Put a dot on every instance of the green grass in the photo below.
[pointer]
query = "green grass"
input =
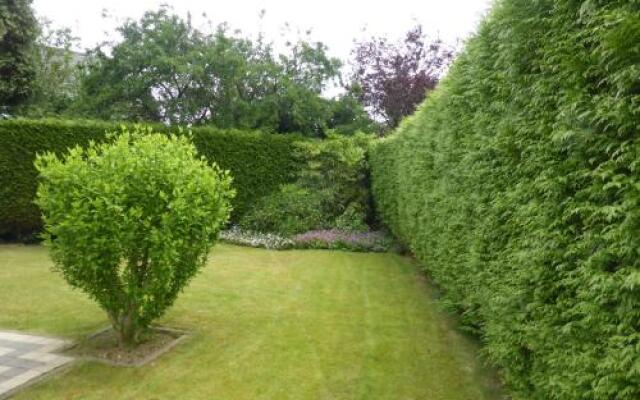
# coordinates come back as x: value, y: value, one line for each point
x: 266, y: 325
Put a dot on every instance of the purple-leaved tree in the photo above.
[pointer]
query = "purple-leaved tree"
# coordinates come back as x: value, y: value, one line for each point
x: 391, y: 79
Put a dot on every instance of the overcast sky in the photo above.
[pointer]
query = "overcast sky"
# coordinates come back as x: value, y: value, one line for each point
x: 334, y: 22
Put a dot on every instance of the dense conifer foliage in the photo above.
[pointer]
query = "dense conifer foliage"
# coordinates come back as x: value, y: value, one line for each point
x: 516, y: 184
x: 258, y: 162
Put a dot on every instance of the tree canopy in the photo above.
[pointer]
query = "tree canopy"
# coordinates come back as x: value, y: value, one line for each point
x: 168, y: 71
x: 393, y: 78
x: 164, y: 69
x: 18, y: 32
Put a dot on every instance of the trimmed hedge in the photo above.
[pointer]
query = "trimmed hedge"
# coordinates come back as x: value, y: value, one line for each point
x: 516, y: 184
x: 259, y: 163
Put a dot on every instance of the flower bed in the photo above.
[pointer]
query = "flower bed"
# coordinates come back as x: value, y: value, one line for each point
x: 270, y: 241
x: 376, y: 241
x: 335, y: 239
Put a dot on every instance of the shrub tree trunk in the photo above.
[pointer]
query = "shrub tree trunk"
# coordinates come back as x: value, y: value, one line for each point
x: 126, y: 328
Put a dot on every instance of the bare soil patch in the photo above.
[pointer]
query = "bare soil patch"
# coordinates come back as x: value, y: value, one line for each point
x: 103, y: 347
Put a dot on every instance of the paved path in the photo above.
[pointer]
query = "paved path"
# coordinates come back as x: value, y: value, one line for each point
x: 24, y: 358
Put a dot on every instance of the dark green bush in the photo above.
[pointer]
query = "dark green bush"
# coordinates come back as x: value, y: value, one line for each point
x: 288, y: 211
x: 259, y: 163
x: 517, y: 185
x: 337, y: 167
x: 352, y: 219
x: 329, y: 191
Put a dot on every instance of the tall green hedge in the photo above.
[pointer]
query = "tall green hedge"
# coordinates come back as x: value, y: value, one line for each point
x: 517, y: 184
x: 258, y: 162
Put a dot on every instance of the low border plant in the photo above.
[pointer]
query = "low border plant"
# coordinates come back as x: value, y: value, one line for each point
x: 334, y: 239
x: 270, y: 241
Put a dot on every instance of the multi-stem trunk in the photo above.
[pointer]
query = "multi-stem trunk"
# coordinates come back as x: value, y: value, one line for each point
x: 126, y: 323
x: 126, y: 328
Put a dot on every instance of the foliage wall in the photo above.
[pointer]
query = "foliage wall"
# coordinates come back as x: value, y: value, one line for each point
x: 516, y: 184
x: 259, y: 163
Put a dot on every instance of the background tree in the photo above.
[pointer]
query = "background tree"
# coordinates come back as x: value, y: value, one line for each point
x: 393, y: 78
x: 18, y: 32
x: 166, y: 70
x: 57, y: 75
x: 347, y: 116
x: 157, y: 73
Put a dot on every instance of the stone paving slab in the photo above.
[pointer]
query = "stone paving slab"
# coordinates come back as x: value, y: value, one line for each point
x: 24, y: 358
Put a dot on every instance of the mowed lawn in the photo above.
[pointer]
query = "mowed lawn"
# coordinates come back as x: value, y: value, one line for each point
x: 265, y: 325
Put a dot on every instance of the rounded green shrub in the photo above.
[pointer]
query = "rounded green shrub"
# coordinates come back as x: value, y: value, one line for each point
x: 131, y: 221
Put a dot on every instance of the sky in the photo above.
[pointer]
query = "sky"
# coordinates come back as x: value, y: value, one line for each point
x: 335, y: 22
